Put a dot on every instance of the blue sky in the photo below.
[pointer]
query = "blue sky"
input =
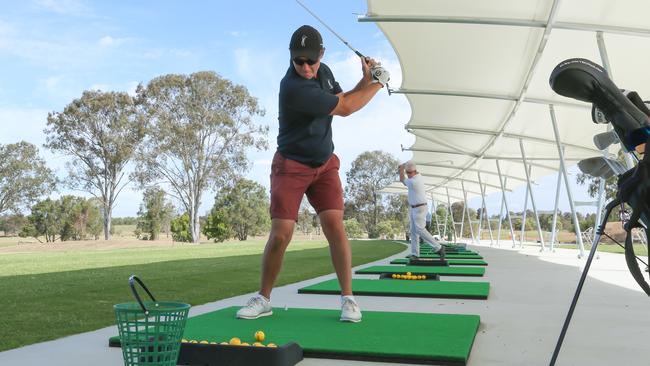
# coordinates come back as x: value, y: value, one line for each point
x: 52, y: 50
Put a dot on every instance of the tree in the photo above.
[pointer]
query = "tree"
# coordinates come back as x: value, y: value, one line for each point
x: 353, y: 228
x: 24, y: 177
x: 216, y: 225
x: 305, y: 223
x: 44, y: 220
x: 11, y: 225
x: 397, y: 212
x: 69, y: 217
x: 371, y: 171
x: 154, y: 212
x: 101, y: 131
x: 200, y: 126
x: 246, y: 208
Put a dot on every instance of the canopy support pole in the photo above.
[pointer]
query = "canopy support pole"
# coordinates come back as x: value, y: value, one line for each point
x: 469, y: 220
x: 557, y: 201
x: 560, y: 151
x: 505, y: 202
x: 532, y: 197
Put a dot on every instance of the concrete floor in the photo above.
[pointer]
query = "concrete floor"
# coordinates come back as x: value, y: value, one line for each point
x: 520, y: 322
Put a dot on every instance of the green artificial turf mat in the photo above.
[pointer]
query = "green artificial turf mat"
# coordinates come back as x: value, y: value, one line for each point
x: 409, y: 288
x: 381, y: 336
x: 453, y: 256
x: 452, y: 262
x: 440, y: 270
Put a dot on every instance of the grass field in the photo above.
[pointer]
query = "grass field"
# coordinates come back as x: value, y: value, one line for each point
x: 48, y: 295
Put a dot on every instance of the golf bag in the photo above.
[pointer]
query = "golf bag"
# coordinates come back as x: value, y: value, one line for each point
x: 584, y: 80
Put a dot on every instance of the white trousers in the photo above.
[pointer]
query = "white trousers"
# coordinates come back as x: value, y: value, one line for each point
x: 418, y: 218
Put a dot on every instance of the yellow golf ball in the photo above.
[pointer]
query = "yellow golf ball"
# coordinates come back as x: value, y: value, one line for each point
x: 408, y: 273
x: 235, y: 341
x: 204, y: 342
x: 259, y: 336
x: 258, y: 344
x: 245, y: 344
x: 272, y: 345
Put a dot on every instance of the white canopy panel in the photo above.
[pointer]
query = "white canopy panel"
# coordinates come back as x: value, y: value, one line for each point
x: 476, y: 76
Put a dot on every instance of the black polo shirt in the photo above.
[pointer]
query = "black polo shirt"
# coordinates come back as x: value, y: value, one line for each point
x: 305, y: 133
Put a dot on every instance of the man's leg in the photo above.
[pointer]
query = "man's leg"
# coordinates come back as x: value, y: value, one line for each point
x: 279, y: 238
x: 418, y: 217
x: 415, y: 238
x: 332, y: 224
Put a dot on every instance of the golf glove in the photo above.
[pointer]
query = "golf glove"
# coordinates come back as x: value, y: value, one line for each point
x: 380, y: 75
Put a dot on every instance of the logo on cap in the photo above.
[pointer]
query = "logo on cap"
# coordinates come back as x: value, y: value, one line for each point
x: 302, y: 41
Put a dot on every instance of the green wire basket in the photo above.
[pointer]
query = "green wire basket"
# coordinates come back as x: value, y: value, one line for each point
x: 150, y: 331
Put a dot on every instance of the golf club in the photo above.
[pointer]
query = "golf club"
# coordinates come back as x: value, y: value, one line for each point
x: 330, y: 29
x: 601, y: 167
x: 604, y: 139
x: 337, y: 36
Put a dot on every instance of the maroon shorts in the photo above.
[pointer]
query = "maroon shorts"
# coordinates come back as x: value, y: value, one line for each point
x: 291, y: 179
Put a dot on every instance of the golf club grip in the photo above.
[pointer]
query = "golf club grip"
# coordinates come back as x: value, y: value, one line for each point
x: 132, y: 281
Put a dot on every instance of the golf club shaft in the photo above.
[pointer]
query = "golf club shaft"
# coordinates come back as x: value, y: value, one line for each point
x: 330, y: 29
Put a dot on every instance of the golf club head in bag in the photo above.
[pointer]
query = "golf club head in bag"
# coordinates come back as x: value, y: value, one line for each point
x: 601, y: 167
x: 604, y: 139
x: 587, y: 81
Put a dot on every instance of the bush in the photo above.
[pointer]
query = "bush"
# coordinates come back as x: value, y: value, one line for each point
x: 180, y: 227
x: 216, y: 226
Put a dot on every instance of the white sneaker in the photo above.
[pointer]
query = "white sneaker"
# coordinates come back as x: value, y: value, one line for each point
x: 350, y: 311
x: 256, y: 307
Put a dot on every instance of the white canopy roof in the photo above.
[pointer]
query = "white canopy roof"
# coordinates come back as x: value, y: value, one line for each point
x: 476, y: 76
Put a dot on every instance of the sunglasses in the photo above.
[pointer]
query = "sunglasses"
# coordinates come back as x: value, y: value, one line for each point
x: 301, y: 61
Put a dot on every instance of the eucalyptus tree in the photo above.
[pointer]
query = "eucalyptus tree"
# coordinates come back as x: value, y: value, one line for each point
x: 200, y: 127
x: 370, y: 172
x: 24, y: 176
x: 100, y: 132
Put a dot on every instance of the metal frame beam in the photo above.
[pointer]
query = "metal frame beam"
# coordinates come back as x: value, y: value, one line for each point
x: 469, y: 170
x: 467, y: 94
x: 492, y: 133
x: 489, y: 157
x: 643, y: 32
x: 458, y: 179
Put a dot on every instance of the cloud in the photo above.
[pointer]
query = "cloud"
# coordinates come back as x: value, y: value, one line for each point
x: 237, y: 33
x: 108, y: 41
x: 64, y: 7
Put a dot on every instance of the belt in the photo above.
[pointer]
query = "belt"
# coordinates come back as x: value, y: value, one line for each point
x: 418, y: 205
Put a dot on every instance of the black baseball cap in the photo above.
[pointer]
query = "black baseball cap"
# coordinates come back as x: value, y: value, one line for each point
x: 306, y: 42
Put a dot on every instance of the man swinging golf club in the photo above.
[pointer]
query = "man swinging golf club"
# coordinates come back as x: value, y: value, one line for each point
x: 305, y: 163
x: 409, y: 176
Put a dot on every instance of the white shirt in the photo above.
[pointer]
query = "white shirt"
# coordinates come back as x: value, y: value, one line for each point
x: 415, y: 185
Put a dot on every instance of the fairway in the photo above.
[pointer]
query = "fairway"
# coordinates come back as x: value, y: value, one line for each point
x: 51, y: 295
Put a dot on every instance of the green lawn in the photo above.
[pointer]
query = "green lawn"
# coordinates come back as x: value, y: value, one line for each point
x: 50, y: 295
